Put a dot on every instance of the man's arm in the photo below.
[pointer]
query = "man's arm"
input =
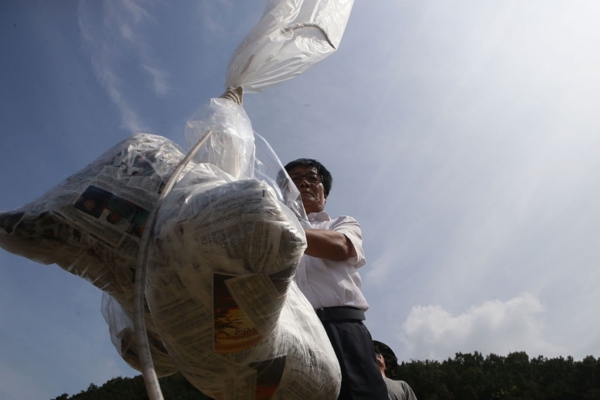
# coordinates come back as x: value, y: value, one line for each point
x: 330, y: 245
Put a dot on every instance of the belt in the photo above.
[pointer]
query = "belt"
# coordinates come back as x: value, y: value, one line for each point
x: 339, y: 313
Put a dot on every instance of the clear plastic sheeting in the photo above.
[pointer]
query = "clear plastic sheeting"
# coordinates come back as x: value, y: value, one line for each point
x: 268, y: 168
x: 122, y: 336
x: 291, y: 36
x: 91, y: 225
x: 238, y: 151
x: 230, y: 146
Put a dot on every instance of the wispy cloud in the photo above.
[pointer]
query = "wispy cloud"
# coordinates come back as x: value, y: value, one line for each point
x: 136, y: 10
x: 211, y: 18
x: 112, y: 84
x: 121, y: 20
x: 388, y: 265
x: 136, y: 14
x: 159, y: 79
x: 493, y: 327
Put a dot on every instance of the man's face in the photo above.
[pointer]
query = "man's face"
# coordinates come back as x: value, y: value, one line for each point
x: 308, y: 182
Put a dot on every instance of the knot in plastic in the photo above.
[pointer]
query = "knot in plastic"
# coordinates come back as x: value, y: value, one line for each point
x: 234, y: 94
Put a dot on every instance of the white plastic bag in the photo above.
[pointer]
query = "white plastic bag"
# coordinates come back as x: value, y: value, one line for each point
x: 291, y: 36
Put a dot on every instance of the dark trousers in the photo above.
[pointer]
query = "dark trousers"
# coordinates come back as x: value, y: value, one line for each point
x: 353, y: 345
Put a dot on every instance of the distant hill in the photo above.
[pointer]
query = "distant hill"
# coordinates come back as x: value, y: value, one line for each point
x: 465, y: 377
x: 174, y: 387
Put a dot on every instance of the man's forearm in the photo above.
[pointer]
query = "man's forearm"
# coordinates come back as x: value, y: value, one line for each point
x: 330, y: 245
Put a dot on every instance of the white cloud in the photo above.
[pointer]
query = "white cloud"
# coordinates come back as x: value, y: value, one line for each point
x: 136, y: 15
x: 211, y: 18
x: 136, y: 10
x: 159, y: 79
x: 127, y: 33
x: 383, y: 269
x: 430, y: 332
x: 124, y: 20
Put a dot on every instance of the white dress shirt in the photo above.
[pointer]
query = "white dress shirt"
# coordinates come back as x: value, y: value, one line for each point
x: 328, y: 283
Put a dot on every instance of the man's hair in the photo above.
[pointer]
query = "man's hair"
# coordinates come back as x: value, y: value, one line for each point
x: 390, y: 359
x: 321, y: 170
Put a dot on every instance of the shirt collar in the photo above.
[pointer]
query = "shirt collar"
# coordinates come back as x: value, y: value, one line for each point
x: 318, y: 216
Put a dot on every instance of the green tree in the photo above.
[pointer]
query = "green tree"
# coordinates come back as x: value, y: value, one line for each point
x: 174, y: 387
x: 464, y: 377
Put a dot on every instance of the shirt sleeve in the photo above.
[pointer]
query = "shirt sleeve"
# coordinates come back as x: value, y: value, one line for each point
x: 351, y: 229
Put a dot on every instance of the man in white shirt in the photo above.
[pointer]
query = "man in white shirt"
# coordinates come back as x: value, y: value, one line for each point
x: 328, y: 277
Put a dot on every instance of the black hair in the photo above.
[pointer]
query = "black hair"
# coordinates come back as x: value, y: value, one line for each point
x: 321, y: 170
x: 390, y: 359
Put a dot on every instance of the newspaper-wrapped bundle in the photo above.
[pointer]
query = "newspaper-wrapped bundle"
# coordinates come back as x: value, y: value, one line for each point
x: 91, y: 224
x: 225, y: 251
x: 227, y: 239
x: 220, y: 286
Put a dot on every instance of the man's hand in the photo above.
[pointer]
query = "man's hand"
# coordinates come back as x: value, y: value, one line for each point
x: 330, y: 245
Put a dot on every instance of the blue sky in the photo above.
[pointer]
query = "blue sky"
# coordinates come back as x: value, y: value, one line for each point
x: 463, y: 136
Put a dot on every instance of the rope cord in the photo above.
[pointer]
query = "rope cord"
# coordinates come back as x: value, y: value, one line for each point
x: 148, y: 371
x: 234, y: 94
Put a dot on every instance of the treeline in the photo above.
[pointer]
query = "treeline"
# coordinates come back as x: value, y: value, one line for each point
x: 174, y: 387
x: 473, y: 377
x: 465, y: 377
